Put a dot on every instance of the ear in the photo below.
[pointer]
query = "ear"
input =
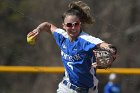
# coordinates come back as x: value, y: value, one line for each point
x: 63, y: 26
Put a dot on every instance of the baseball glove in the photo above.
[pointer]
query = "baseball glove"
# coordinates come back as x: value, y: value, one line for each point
x: 104, y: 58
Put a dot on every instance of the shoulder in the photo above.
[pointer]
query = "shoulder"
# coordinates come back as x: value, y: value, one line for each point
x: 89, y: 38
x: 60, y: 32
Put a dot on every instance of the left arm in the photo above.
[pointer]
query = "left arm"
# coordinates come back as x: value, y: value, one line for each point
x: 108, y: 47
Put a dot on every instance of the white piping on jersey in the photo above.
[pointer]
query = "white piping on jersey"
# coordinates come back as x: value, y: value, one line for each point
x: 66, y: 77
x: 90, y: 38
x: 83, y: 35
x: 62, y: 32
x: 95, y: 80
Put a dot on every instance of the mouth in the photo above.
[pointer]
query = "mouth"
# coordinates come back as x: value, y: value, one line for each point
x: 73, y: 31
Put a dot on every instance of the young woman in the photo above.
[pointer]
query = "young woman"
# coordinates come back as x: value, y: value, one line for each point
x: 76, y: 49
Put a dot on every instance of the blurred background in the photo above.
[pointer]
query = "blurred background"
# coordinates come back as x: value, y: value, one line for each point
x: 117, y: 22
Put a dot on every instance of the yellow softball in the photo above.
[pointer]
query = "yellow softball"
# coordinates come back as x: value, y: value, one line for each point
x: 31, y: 40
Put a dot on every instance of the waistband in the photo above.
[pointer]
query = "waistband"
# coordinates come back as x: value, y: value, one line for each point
x: 74, y: 87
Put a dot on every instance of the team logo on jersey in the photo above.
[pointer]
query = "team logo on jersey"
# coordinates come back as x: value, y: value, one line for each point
x: 64, y: 46
x: 75, y: 49
x: 70, y: 58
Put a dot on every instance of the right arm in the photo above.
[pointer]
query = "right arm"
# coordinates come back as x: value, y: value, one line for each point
x: 45, y: 26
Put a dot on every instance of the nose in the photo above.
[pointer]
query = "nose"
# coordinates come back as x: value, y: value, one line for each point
x: 73, y: 27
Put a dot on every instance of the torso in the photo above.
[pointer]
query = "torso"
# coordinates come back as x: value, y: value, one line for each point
x: 77, y: 57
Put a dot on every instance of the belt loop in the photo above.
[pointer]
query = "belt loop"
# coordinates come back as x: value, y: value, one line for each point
x: 68, y: 84
x: 94, y: 88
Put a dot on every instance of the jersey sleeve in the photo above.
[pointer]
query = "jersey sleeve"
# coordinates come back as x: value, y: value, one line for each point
x: 59, y: 36
x: 89, y: 42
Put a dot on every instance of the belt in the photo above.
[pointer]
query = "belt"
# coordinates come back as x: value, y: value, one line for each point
x: 74, y: 87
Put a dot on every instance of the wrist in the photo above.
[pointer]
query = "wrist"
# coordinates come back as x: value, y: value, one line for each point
x: 113, y: 48
x: 38, y: 29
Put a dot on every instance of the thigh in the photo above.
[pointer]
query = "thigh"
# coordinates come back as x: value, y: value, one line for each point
x: 93, y: 90
x: 64, y: 89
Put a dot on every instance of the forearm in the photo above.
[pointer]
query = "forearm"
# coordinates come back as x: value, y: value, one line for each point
x: 107, y: 46
x: 45, y: 26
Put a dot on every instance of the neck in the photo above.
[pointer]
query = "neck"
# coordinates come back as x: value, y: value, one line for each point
x: 72, y: 39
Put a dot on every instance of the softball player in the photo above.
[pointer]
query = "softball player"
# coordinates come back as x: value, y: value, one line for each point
x: 112, y: 86
x: 76, y: 49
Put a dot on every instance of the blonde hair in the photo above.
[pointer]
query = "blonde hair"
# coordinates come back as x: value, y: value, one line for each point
x: 81, y: 10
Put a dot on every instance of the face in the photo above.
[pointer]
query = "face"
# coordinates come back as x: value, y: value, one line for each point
x: 72, y: 26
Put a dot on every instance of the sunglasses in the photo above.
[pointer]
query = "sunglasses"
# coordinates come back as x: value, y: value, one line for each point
x: 74, y: 24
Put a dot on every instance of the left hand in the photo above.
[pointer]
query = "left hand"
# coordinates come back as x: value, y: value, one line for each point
x: 94, y: 65
x: 31, y: 36
x: 105, y: 55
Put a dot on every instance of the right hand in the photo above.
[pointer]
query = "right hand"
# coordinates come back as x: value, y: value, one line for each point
x: 33, y: 33
x: 31, y: 36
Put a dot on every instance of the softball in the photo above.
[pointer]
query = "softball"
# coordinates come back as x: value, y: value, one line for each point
x: 31, y: 40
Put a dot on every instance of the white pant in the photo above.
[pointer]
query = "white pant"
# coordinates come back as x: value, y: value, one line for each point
x: 64, y: 89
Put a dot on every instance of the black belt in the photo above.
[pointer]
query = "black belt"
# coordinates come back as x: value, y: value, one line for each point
x: 74, y: 87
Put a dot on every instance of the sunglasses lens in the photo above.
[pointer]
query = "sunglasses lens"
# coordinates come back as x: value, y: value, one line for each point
x: 76, y: 24
x: 69, y: 24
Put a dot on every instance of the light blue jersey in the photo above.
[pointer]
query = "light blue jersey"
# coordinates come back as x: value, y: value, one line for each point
x: 77, y: 56
x: 112, y: 88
